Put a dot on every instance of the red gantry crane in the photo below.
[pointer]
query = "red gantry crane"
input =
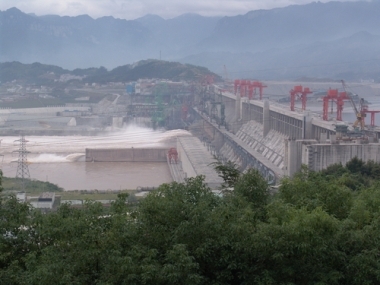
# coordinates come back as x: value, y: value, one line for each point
x: 372, y: 112
x: 361, y: 111
x: 338, y: 98
x: 248, y: 88
x: 301, y: 93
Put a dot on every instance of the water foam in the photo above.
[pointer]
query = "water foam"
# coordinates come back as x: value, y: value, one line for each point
x: 131, y: 136
x: 55, y: 158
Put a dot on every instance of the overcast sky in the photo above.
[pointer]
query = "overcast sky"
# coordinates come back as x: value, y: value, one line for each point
x: 132, y: 9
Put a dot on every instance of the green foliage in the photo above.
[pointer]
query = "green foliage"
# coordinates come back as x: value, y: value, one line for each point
x: 1, y: 181
x: 315, y: 192
x: 151, y: 69
x: 315, y: 230
x: 355, y: 175
x: 43, y: 74
x: 33, y: 186
x: 253, y: 188
x: 32, y: 73
x: 228, y: 171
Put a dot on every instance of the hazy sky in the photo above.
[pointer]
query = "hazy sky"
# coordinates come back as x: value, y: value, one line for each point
x: 132, y: 9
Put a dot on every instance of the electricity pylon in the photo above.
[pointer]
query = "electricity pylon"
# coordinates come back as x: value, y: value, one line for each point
x: 22, y: 166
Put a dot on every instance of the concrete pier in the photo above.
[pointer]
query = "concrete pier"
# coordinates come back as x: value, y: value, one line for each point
x: 126, y: 155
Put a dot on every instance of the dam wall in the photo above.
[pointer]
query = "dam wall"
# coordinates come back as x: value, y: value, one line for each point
x: 225, y: 145
x: 320, y: 156
x: 271, y: 146
x: 268, y: 136
x: 126, y: 155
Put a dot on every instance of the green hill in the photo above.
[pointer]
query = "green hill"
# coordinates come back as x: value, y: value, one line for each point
x: 152, y: 69
x: 37, y: 73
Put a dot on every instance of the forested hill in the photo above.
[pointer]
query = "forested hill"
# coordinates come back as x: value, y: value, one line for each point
x: 151, y: 69
x: 38, y: 73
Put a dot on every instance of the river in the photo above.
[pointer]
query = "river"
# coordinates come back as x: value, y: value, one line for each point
x: 60, y: 159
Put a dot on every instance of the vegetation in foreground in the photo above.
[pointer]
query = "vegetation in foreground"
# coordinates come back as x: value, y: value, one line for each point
x: 320, y: 228
x: 33, y: 186
x: 37, y: 187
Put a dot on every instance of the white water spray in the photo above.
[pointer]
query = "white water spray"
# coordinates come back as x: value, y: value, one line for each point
x: 45, y: 149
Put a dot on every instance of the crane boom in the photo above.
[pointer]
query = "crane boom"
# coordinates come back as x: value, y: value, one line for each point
x: 360, y: 115
x: 349, y: 96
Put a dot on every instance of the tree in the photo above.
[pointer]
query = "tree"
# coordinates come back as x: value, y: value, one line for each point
x: 314, y: 231
x: 315, y: 190
x: 253, y: 188
x: 228, y: 171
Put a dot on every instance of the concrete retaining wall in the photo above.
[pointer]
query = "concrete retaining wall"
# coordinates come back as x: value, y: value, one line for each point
x: 196, y: 160
x: 320, y: 156
x: 187, y: 166
x: 127, y: 155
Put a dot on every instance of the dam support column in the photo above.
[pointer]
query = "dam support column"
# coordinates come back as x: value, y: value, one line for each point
x: 238, y: 122
x: 266, y: 118
x: 238, y: 107
x: 307, y: 132
x: 291, y: 157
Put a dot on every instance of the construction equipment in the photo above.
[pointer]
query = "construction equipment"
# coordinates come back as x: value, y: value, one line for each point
x: 359, y: 112
x: 248, y: 88
x: 336, y: 97
x: 372, y: 112
x: 301, y: 93
x: 173, y: 155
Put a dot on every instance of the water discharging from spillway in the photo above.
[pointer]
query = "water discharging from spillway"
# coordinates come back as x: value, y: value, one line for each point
x: 60, y: 159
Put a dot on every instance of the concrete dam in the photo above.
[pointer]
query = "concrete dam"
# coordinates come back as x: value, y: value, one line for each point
x: 258, y: 134
x: 276, y: 141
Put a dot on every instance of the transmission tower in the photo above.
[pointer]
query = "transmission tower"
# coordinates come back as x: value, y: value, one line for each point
x: 22, y: 167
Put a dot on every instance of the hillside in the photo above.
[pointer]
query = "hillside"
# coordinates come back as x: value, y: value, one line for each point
x: 38, y: 73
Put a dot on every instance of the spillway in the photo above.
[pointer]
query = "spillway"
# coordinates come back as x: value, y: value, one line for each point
x: 61, y: 159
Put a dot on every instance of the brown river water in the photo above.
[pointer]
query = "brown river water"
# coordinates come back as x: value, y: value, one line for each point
x: 60, y: 159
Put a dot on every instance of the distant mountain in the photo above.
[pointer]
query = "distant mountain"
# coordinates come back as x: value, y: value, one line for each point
x: 314, y: 40
x: 352, y: 58
x: 181, y: 34
x: 293, y: 25
x: 83, y: 42
x: 71, y: 41
x: 38, y: 73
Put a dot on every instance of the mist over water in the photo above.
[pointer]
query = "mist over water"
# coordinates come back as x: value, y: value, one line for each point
x: 70, y: 148
x: 55, y: 158
x: 61, y: 159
